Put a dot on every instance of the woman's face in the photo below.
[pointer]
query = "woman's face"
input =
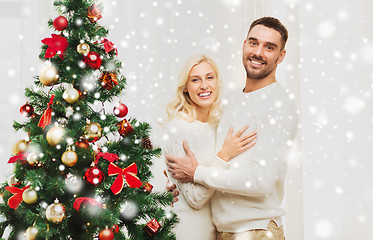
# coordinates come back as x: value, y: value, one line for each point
x: 202, y: 86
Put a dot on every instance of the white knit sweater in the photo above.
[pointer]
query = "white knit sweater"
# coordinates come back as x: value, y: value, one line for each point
x: 251, y: 187
x: 193, y: 207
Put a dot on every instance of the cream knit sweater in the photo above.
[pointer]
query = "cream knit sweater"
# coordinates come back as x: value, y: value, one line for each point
x: 251, y: 187
x: 193, y: 207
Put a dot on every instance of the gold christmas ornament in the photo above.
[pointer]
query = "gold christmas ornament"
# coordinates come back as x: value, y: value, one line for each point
x: 19, y: 147
x: 71, y: 95
x: 55, y: 212
x: 31, y: 233
x: 55, y: 135
x: 49, y: 76
x: 12, y: 180
x: 29, y: 196
x: 93, y: 132
x: 83, y: 48
x: 32, y: 159
x: 69, y: 158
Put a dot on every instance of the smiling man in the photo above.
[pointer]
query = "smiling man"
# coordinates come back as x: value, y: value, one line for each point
x: 250, y: 188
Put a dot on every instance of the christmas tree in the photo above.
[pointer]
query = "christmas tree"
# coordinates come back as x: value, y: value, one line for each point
x: 81, y: 173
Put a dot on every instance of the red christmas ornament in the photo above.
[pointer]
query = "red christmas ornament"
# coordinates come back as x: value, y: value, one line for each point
x: 93, y: 60
x: 60, y: 23
x: 120, y: 110
x: 82, y: 143
x: 106, y: 234
x: 27, y: 110
x: 125, y: 127
x: 56, y: 45
x: 94, y: 176
x: 152, y: 227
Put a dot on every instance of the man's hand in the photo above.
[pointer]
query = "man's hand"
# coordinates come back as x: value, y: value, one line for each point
x: 182, y: 168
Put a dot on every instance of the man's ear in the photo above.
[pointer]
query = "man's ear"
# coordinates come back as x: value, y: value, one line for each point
x: 282, y: 56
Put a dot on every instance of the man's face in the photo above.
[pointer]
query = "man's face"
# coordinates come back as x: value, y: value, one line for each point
x: 262, y: 52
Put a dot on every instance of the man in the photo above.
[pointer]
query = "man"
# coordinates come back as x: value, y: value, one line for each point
x: 250, y: 188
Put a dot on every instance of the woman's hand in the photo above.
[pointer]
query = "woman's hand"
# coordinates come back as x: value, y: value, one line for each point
x: 235, y: 144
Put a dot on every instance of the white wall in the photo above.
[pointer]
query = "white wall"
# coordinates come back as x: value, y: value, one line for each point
x: 328, y: 67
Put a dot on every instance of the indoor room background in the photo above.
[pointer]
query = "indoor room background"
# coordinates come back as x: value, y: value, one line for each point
x: 328, y: 67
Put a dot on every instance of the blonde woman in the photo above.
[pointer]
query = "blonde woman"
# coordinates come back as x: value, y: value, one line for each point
x: 192, y: 119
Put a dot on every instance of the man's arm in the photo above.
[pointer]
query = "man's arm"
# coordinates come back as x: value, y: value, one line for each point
x: 195, y: 194
x: 182, y: 168
x: 254, y: 172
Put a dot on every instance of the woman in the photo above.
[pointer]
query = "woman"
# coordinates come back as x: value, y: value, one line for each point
x: 193, y: 116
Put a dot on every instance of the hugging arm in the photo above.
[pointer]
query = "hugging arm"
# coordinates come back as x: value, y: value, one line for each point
x: 195, y: 194
x: 255, y: 173
x: 183, y: 168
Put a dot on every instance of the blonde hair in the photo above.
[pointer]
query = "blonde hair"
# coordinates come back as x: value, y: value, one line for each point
x: 182, y: 105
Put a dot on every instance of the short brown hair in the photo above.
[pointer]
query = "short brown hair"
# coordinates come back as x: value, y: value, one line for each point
x: 273, y: 23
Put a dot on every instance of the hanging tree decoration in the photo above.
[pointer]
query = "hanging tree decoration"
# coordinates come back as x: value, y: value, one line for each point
x: 93, y: 60
x: 55, y: 135
x: 71, y: 95
x: 106, y: 234
x: 55, y: 212
x: 47, y: 115
x: 49, y: 76
x: 108, y: 80
x: 84, y: 200
x: 60, y: 23
x: 16, y: 199
x: 111, y: 157
x: 120, y: 110
x: 56, y: 45
x: 125, y: 127
x: 83, y: 48
x: 94, y: 13
x: 94, y: 175
x: 126, y: 175
x: 108, y: 45
x: 27, y: 110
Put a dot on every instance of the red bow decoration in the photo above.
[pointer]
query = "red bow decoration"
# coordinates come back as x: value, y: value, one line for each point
x: 127, y: 175
x: 111, y: 157
x: 16, y: 199
x: 19, y: 156
x: 47, y: 115
x: 56, y: 44
x: 79, y: 201
x: 108, y: 45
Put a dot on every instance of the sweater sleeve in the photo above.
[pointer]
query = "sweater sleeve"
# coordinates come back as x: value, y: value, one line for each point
x: 256, y: 171
x: 195, y: 194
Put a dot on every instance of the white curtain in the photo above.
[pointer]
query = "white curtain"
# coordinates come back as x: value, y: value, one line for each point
x: 328, y: 67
